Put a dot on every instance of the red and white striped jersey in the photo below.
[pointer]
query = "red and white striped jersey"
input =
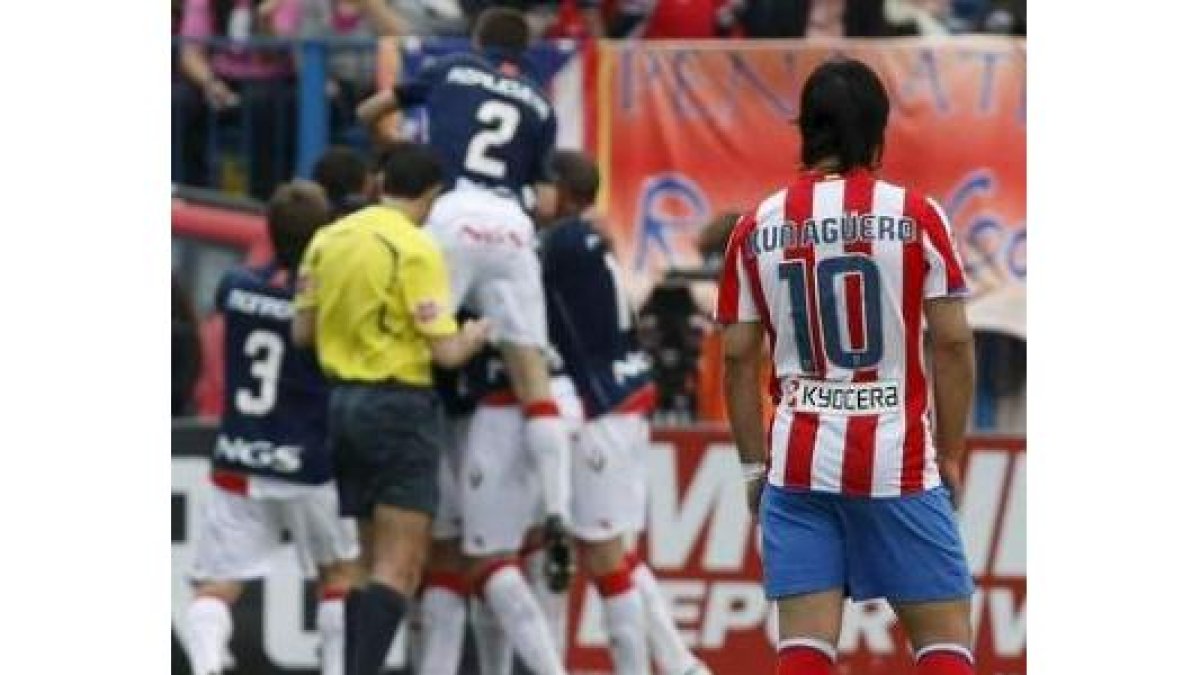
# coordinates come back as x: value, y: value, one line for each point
x: 836, y: 269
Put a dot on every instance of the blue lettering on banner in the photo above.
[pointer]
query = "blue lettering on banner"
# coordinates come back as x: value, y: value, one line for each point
x: 995, y: 245
x: 925, y: 75
x: 988, y: 60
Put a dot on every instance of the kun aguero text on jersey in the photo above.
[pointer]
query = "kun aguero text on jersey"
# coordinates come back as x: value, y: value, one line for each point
x: 846, y: 229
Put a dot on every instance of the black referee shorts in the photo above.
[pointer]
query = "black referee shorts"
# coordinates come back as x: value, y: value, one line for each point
x: 387, y: 439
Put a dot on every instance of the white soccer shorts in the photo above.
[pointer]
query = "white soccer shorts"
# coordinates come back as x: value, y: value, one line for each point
x: 498, y: 483
x: 608, y: 468
x: 447, y: 521
x: 238, y: 534
x: 491, y: 251
x: 608, y: 477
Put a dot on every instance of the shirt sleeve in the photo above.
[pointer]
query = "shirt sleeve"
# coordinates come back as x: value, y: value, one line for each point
x: 426, y: 285
x: 197, y: 20
x: 306, y: 278
x: 944, y: 275
x: 735, y: 297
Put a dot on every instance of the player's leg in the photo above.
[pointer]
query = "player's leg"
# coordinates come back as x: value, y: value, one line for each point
x: 624, y: 616
x: 499, y: 500
x: 237, y: 535
x: 909, y: 550
x: 667, y: 648
x: 327, y: 543
x: 492, y: 646
x: 442, y: 615
x: 548, y: 442
x: 607, y: 503
x: 443, y: 610
x: 805, y: 572
x: 209, y: 626
x: 390, y: 439
x: 552, y: 602
x: 940, y: 633
x: 809, y: 626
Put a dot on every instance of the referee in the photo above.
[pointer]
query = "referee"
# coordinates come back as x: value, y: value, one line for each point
x: 374, y: 298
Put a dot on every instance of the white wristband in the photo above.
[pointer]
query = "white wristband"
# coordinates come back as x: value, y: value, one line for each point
x: 752, y: 471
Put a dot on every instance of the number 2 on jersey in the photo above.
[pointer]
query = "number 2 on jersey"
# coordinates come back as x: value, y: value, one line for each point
x: 831, y: 316
x: 266, y: 351
x: 502, y: 120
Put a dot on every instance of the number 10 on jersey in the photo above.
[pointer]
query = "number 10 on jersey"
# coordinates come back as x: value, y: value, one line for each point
x: 830, y: 315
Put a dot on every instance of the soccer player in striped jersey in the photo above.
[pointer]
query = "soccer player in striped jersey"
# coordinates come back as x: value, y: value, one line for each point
x: 840, y: 271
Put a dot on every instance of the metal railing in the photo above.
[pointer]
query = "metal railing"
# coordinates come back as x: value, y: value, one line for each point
x: 283, y: 123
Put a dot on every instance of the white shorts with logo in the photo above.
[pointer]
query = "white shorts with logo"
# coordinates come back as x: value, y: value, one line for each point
x: 239, y: 533
x: 447, y: 521
x: 608, y: 468
x: 490, y: 249
x: 500, y: 493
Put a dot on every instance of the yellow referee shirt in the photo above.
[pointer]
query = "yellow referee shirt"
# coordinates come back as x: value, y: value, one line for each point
x: 378, y: 287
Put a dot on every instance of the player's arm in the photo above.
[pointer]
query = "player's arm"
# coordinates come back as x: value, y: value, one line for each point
x: 953, y: 357
x: 304, y: 304
x: 545, y: 194
x: 945, y: 290
x: 742, y: 346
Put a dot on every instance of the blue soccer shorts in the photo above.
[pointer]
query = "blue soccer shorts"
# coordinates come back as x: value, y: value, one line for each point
x: 904, y: 549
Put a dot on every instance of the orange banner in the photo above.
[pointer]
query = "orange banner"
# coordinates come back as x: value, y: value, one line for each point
x: 690, y: 130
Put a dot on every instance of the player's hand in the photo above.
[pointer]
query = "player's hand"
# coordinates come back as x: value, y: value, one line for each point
x: 754, y: 490
x: 219, y: 95
x: 951, y: 470
x: 476, y: 333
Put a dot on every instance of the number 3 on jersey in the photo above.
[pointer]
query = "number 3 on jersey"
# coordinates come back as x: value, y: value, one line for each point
x: 266, y: 351
x: 839, y: 348
x: 501, y: 119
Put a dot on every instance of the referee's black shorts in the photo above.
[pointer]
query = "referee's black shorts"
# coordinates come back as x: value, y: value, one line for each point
x: 387, y: 439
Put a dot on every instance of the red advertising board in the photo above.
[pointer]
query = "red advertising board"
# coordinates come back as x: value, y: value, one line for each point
x: 704, y: 549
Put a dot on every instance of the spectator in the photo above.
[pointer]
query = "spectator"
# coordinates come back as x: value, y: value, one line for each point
x: 345, y: 176
x: 256, y: 83
x: 549, y: 18
x: 185, y: 350
x: 672, y: 19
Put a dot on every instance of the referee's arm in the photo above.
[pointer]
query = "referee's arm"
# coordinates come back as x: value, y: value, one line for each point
x: 304, y: 318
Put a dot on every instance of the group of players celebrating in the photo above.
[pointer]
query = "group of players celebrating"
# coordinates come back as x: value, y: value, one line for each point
x: 472, y: 496
x: 330, y: 356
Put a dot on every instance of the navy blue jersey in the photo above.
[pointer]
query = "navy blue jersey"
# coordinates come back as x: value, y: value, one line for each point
x: 461, y: 389
x: 590, y: 318
x: 487, y: 121
x: 273, y: 422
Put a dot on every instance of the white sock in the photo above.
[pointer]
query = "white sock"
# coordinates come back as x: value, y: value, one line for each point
x: 554, y: 605
x: 625, y: 622
x: 546, y: 437
x: 666, y: 644
x: 206, y: 636
x: 509, y: 597
x: 492, y: 646
x: 443, y: 617
x: 331, y: 626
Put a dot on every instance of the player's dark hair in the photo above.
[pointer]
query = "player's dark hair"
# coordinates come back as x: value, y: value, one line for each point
x: 502, y: 28
x: 409, y: 170
x: 343, y: 173
x: 843, y: 114
x: 294, y: 213
x: 576, y: 175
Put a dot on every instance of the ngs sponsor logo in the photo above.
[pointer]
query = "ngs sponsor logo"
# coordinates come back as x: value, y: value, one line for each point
x: 705, y: 549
